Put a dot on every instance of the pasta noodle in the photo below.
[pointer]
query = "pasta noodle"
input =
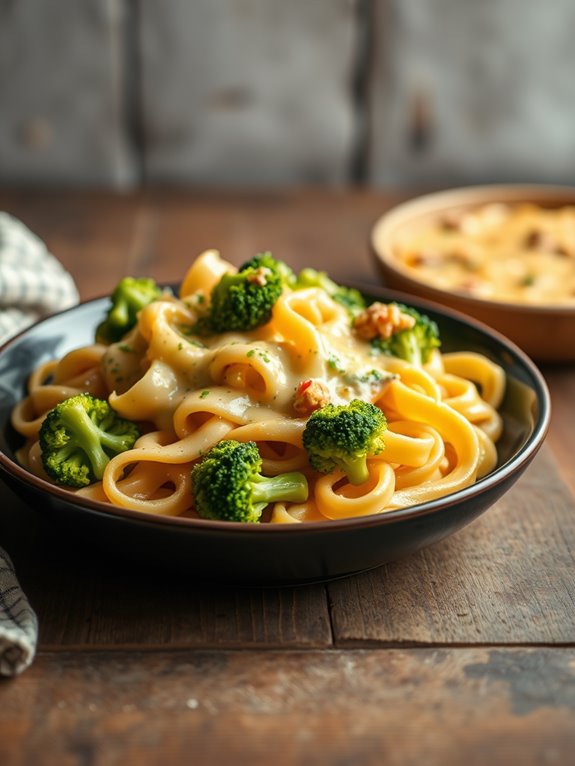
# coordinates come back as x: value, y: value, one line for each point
x: 188, y: 392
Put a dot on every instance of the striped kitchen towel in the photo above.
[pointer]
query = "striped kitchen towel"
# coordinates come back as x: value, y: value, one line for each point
x: 18, y: 623
x: 33, y: 283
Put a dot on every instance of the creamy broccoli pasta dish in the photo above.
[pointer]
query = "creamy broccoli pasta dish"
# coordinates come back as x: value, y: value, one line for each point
x: 521, y: 253
x: 260, y: 395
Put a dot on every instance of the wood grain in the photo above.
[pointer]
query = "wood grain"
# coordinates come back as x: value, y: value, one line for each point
x: 505, y: 579
x: 86, y: 598
x: 257, y: 92
x: 440, y: 707
x: 227, y: 97
x: 100, y: 237
x: 63, y: 96
x: 463, y: 653
x: 327, y: 229
x: 458, y: 97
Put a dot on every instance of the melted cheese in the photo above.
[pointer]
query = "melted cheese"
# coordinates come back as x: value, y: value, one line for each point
x: 521, y: 253
x: 189, y: 392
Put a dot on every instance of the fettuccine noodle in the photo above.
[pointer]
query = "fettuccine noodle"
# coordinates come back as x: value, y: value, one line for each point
x: 189, y: 392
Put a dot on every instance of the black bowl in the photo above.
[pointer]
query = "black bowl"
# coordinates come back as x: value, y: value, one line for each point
x: 270, y: 554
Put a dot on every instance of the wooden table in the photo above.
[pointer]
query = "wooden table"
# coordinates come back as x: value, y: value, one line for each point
x: 461, y: 654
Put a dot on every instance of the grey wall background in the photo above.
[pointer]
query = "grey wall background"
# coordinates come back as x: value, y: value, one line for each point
x: 116, y: 93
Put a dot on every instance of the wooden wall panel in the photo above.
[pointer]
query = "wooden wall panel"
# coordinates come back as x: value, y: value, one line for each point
x: 62, y: 93
x: 472, y: 91
x: 248, y: 91
x: 260, y: 92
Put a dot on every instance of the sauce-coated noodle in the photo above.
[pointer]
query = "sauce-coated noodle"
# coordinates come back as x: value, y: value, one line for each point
x: 188, y: 393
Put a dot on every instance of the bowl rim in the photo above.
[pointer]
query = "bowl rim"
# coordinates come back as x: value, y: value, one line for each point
x: 521, y: 458
x: 463, y: 196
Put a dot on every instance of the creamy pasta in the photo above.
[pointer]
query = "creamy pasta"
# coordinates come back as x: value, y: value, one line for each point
x: 521, y: 253
x: 188, y: 392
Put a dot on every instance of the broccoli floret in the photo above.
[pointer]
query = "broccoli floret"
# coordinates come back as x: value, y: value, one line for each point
x: 288, y: 275
x: 245, y: 300
x: 228, y: 486
x: 129, y: 297
x: 79, y: 436
x: 415, y: 344
x: 349, y: 297
x: 344, y: 436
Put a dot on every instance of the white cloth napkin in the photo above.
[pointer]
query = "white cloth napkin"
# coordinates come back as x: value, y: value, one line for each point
x: 33, y: 284
x: 18, y: 622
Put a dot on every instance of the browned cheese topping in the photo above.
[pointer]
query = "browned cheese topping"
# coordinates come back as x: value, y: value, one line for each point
x: 382, y: 320
x: 311, y: 395
x: 260, y: 276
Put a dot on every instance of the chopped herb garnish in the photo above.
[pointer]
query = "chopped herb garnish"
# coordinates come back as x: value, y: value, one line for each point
x: 334, y: 364
x: 204, y: 394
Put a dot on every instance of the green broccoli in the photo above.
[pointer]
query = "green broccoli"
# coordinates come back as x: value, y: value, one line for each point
x: 414, y: 344
x: 349, y: 297
x: 228, y: 486
x: 129, y: 297
x: 79, y: 436
x: 289, y: 277
x: 344, y: 436
x: 244, y: 301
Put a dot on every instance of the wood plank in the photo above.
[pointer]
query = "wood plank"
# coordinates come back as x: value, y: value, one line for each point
x: 404, y: 708
x: 85, y: 597
x: 508, y: 578
x: 327, y: 229
x: 228, y: 97
x: 97, y: 237
x: 63, y: 94
x: 100, y: 237
x: 458, y: 94
x: 137, y: 668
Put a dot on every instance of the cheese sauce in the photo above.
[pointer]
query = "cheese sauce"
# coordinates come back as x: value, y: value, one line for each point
x: 519, y: 253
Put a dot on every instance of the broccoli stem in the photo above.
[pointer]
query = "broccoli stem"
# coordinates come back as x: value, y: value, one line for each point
x: 355, y: 468
x: 89, y: 438
x: 119, y: 315
x: 291, y: 487
x: 412, y: 351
